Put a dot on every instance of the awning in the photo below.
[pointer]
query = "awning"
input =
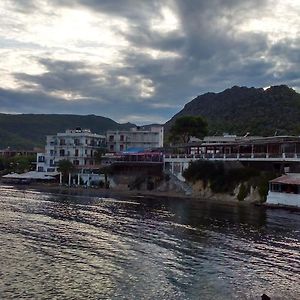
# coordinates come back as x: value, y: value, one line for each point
x: 134, y: 150
x: 32, y: 175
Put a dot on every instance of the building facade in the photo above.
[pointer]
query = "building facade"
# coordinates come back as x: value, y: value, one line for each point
x: 277, y: 153
x: 76, y: 145
x: 137, y: 137
x: 285, y: 190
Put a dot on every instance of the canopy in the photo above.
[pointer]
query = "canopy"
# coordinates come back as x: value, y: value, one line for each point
x: 134, y: 150
x: 32, y: 175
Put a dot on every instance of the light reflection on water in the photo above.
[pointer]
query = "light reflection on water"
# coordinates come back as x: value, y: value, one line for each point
x: 66, y: 247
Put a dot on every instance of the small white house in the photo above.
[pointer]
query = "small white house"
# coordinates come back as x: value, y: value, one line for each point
x: 285, y: 190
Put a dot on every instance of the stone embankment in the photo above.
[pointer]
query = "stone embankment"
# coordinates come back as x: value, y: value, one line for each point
x: 201, y: 191
x: 171, y: 185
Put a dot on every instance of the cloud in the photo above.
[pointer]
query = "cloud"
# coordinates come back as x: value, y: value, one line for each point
x: 129, y: 59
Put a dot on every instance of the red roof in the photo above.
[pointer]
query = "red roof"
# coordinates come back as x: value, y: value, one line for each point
x: 287, y: 179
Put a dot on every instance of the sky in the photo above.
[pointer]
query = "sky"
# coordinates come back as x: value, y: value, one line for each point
x: 141, y: 61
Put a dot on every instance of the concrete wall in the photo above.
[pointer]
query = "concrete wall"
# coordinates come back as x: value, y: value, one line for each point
x: 283, y: 199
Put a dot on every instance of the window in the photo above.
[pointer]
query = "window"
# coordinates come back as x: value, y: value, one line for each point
x: 122, y: 138
x: 41, y: 159
x: 62, y: 152
x: 111, y: 138
x: 275, y: 187
x: 121, y: 147
x: 40, y: 169
x: 76, y: 152
x: 62, y: 142
x: 111, y: 147
x: 76, y: 162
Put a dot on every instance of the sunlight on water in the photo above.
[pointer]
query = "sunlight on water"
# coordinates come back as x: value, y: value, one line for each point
x: 67, y: 247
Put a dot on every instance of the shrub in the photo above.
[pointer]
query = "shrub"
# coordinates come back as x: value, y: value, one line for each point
x: 243, y: 192
x: 101, y: 184
x: 263, y: 185
x: 203, y: 170
x: 221, y: 180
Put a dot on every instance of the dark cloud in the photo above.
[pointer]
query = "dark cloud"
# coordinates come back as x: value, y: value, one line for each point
x: 129, y: 8
x: 12, y: 101
x: 25, y: 6
x: 60, y: 76
x: 207, y: 52
x: 103, y: 94
x: 287, y: 49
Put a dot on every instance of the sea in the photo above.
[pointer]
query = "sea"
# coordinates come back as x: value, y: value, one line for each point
x: 79, y: 247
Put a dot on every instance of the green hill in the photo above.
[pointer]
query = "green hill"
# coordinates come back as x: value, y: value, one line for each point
x: 26, y: 131
x: 239, y: 110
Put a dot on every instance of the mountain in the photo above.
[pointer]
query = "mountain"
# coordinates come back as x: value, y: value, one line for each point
x: 26, y: 131
x: 239, y: 110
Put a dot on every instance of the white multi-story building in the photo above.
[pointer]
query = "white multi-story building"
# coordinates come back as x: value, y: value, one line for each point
x: 137, y: 137
x: 76, y: 145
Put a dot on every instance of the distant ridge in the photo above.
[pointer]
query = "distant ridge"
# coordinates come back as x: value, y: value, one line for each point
x: 26, y: 131
x: 239, y: 110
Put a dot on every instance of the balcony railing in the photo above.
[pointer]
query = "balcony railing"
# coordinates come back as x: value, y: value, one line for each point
x: 235, y: 156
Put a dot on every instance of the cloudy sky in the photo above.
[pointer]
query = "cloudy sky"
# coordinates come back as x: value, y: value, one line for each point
x: 141, y: 60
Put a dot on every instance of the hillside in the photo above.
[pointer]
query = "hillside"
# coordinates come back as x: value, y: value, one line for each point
x: 26, y: 131
x: 239, y: 110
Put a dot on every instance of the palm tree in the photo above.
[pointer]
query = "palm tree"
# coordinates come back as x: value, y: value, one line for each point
x: 98, y: 155
x: 66, y: 167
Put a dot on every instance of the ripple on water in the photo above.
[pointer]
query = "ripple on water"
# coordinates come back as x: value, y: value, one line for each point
x: 78, y: 247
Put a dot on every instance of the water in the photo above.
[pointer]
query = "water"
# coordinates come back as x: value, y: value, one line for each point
x: 62, y: 247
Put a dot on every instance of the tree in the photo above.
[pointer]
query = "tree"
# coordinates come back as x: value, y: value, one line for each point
x: 106, y: 171
x: 19, y: 164
x: 65, y: 167
x: 98, y: 155
x: 187, y: 126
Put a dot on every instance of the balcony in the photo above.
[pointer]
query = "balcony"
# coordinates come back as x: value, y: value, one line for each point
x: 234, y: 157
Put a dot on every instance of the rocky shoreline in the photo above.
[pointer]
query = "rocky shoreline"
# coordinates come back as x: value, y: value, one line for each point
x: 122, y: 193
x: 135, y: 194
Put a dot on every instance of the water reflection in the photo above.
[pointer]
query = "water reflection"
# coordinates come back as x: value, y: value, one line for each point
x: 80, y: 247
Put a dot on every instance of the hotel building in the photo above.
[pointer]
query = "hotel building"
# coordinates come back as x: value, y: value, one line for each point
x: 76, y: 145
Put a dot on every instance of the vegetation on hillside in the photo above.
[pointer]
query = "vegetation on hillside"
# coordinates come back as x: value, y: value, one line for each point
x: 187, y: 126
x: 239, y: 110
x: 26, y: 131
